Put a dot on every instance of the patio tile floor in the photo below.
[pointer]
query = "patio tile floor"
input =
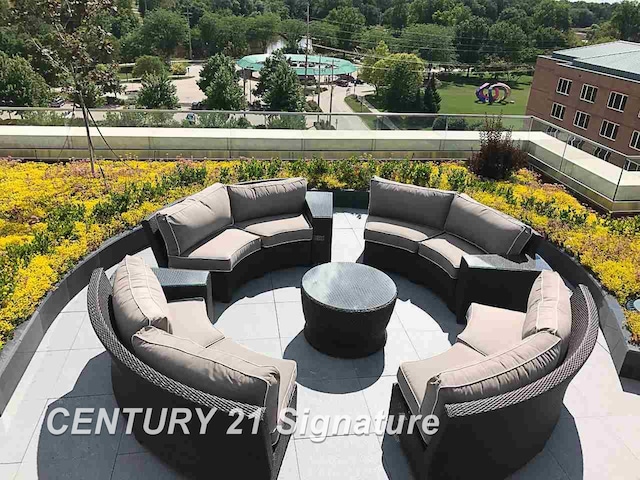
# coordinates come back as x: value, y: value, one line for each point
x: 597, y: 437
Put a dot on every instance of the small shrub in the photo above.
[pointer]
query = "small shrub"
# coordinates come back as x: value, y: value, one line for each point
x: 149, y: 65
x: 179, y: 68
x: 450, y: 123
x: 498, y: 157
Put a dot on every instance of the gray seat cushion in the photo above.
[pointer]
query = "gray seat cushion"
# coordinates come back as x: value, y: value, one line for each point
x: 267, y: 198
x: 410, y: 203
x: 491, y: 330
x: 287, y: 369
x: 549, y: 308
x: 279, y: 229
x: 196, y: 218
x: 485, y: 227
x: 397, y: 233
x: 413, y: 376
x: 524, y: 363
x: 189, y: 319
x: 446, y: 252
x: 219, y: 254
x: 252, y: 379
x: 138, y: 299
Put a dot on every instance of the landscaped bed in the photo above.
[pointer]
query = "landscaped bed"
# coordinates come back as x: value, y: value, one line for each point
x: 53, y: 215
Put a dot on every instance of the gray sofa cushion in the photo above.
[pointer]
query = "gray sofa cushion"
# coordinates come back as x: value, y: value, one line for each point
x: 212, y: 370
x: 267, y: 198
x: 524, y: 363
x: 219, y: 254
x: 485, y: 227
x: 549, y: 308
x: 279, y: 229
x: 138, y: 299
x: 421, y: 205
x: 446, y: 252
x: 286, y: 368
x: 189, y: 319
x: 414, y: 376
x: 397, y: 233
x: 193, y: 220
x: 491, y: 330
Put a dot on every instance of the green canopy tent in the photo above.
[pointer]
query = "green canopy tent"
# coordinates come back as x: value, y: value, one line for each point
x: 318, y: 65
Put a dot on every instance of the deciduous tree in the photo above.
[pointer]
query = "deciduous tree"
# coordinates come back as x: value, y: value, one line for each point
x: 157, y: 92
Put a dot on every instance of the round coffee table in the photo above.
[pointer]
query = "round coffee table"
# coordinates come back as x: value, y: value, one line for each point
x: 347, y: 307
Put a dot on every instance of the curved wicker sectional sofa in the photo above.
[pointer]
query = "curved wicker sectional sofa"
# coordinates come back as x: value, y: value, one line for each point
x: 241, y: 231
x: 423, y: 233
x: 498, y: 391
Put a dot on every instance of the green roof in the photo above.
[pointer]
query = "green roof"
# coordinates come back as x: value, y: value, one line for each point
x: 328, y: 65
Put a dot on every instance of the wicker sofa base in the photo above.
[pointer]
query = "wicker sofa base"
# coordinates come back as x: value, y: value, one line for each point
x: 257, y: 264
x: 413, y: 266
x: 215, y: 454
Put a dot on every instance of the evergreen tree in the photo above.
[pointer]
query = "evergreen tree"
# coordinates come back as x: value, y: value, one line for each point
x: 431, y: 102
x: 279, y: 85
x: 158, y: 91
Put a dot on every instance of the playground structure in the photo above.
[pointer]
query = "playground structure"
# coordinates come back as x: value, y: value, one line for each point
x: 498, y: 92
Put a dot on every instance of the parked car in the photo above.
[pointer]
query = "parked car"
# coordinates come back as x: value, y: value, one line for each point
x: 57, y: 102
x: 197, y: 106
x: 342, y: 83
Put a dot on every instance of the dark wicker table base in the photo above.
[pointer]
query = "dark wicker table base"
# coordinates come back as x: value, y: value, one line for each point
x: 345, y: 334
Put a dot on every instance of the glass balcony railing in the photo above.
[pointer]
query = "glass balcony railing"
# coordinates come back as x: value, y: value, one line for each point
x: 604, y: 176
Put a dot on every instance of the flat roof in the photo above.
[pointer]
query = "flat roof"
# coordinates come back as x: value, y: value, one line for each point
x: 618, y: 58
x: 318, y: 64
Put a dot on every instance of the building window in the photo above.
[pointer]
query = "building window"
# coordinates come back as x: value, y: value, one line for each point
x: 552, y: 131
x: 575, y: 142
x: 631, y: 166
x: 609, y: 130
x: 588, y: 93
x: 635, y: 140
x: 581, y: 120
x: 564, y: 86
x: 617, y: 101
x: 557, y: 111
x: 602, y: 153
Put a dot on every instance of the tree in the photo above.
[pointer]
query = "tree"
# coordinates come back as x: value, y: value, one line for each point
x: 517, y: 16
x: 20, y: 85
x: 77, y: 46
x: 471, y: 35
x: 372, y: 36
x: 163, y: 31
x: 326, y: 33
x: 581, y: 17
x: 431, y: 101
x: 124, y: 22
x: 369, y: 72
x: 294, y: 30
x: 626, y: 19
x: 279, y: 85
x: 453, y: 15
x: 433, y: 43
x: 402, y: 80
x: 219, y: 82
x: 506, y: 40
x: 149, y: 64
x: 263, y: 28
x: 223, y: 34
x: 552, y: 13
x: 157, y: 92
x: 397, y: 16
x: 350, y: 22
x: 213, y: 64
x: 548, y: 38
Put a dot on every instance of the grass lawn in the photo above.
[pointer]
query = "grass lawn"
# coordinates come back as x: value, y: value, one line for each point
x: 459, y: 96
x: 358, y: 107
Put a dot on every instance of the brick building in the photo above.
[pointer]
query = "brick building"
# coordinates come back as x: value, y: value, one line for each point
x: 593, y: 91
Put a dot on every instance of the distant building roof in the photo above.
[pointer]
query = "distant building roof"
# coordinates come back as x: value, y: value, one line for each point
x: 619, y: 58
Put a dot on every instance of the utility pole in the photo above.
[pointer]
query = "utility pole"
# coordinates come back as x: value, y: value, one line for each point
x: 306, y: 49
x: 319, y: 76
x: 187, y: 14
x: 331, y: 94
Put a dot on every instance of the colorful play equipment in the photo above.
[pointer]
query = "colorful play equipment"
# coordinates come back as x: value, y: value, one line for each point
x: 492, y: 93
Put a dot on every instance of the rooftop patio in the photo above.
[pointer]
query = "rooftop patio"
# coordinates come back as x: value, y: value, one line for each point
x: 598, y: 435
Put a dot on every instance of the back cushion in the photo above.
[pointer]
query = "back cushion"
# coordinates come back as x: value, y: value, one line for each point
x: 485, y: 227
x: 421, y: 205
x: 524, y: 363
x: 549, y: 308
x: 210, y: 370
x: 195, y: 219
x: 267, y: 198
x: 138, y: 299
